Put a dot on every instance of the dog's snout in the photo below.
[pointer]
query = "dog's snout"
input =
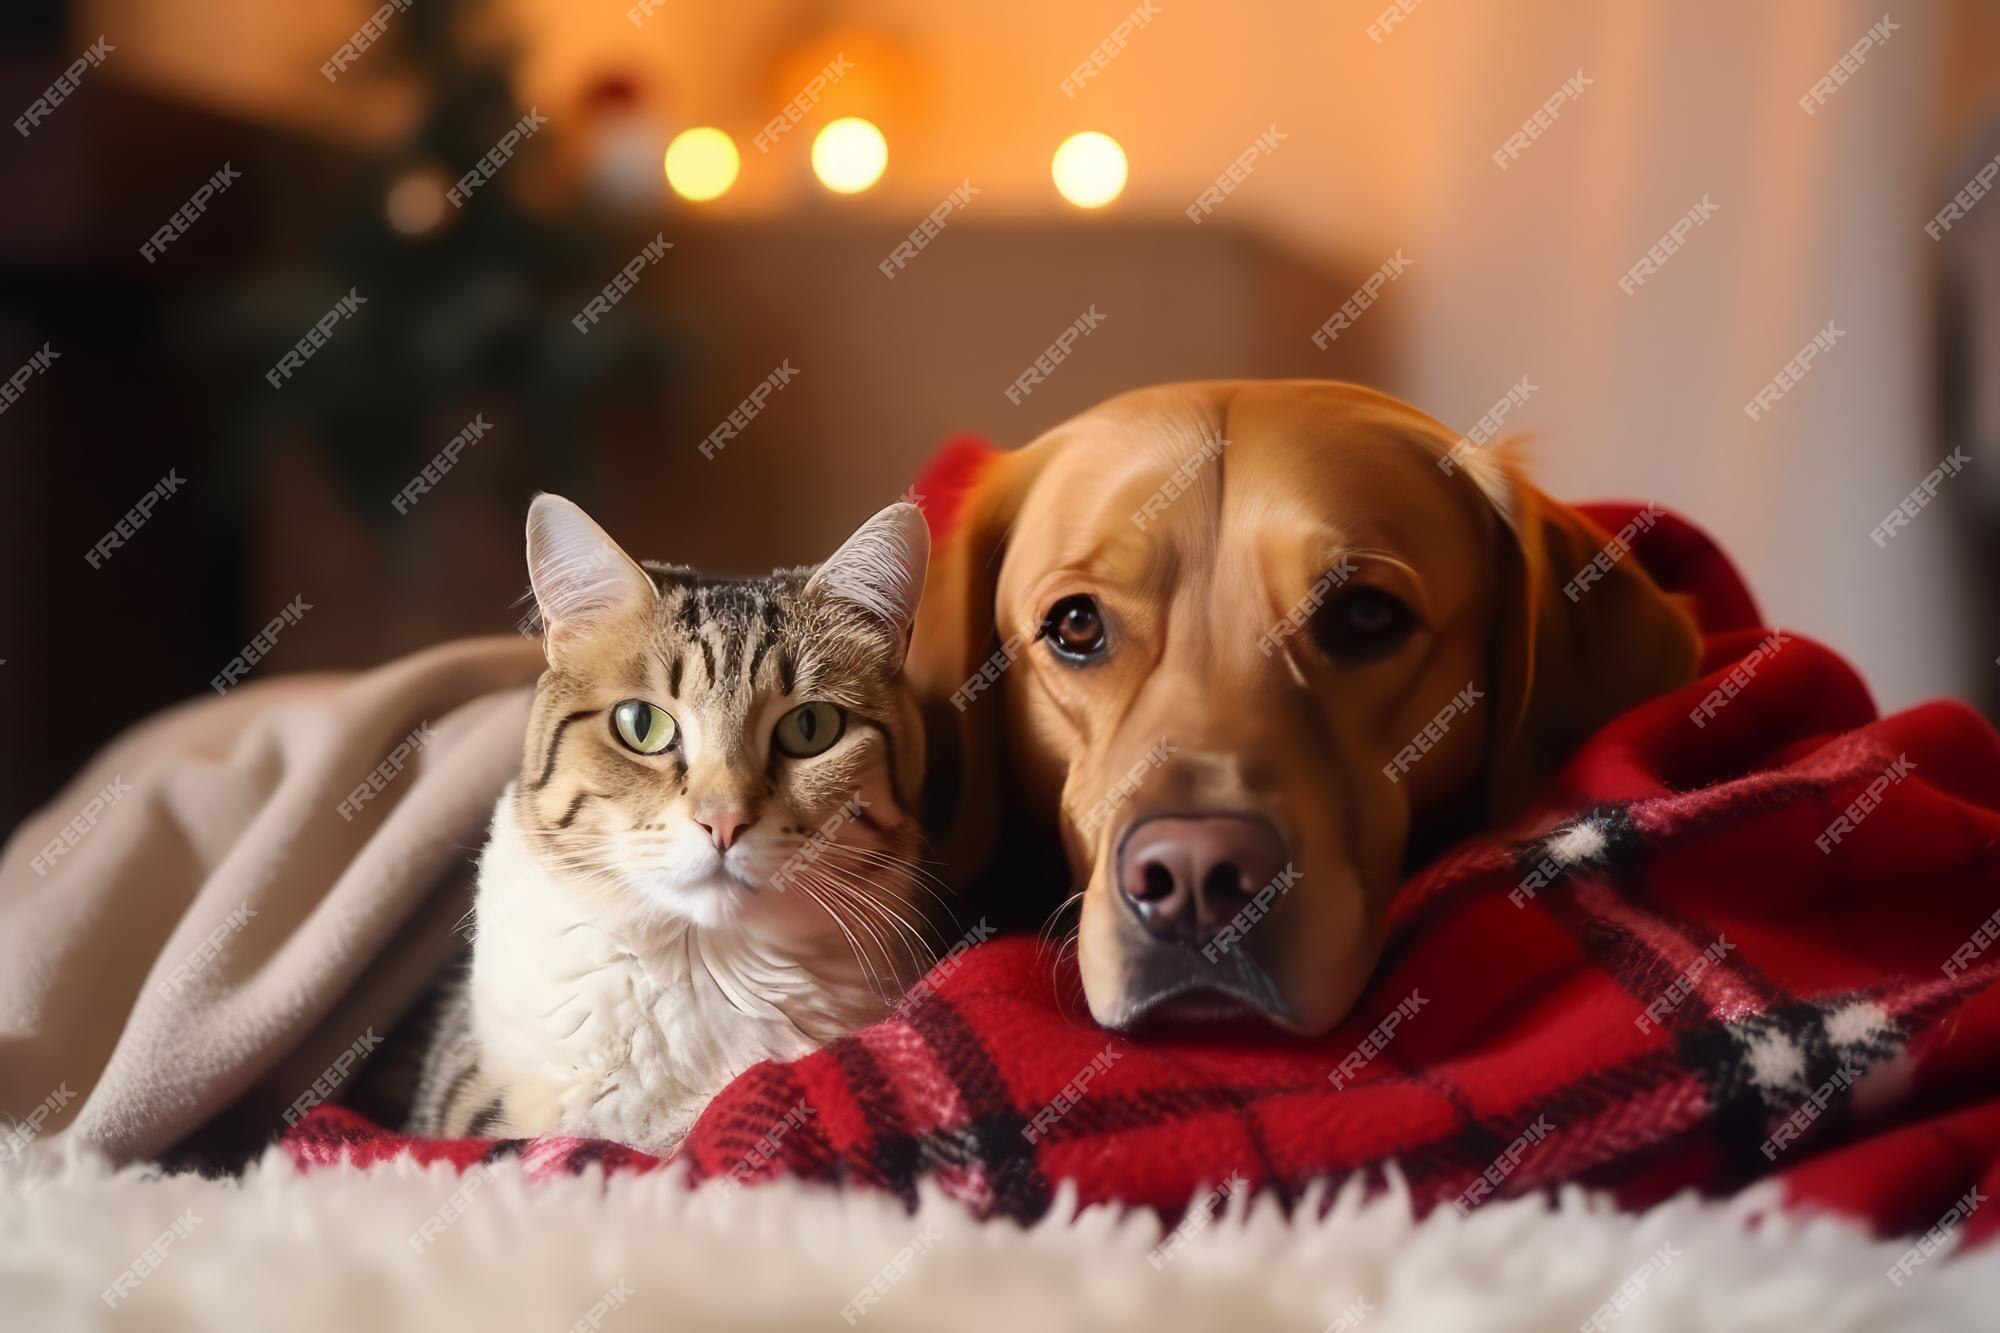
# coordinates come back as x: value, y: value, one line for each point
x: 1186, y: 876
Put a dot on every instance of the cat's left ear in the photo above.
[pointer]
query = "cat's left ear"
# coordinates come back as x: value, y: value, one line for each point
x: 880, y: 569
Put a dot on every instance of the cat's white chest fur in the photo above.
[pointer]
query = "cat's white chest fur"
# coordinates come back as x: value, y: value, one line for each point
x: 591, y: 1020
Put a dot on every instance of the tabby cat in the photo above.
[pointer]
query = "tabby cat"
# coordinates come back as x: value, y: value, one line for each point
x: 710, y: 855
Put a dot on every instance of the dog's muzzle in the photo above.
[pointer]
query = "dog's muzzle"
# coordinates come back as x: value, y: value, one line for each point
x: 1185, y: 882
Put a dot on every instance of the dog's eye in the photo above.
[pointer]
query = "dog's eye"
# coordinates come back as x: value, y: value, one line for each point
x: 1362, y: 624
x: 1074, y: 629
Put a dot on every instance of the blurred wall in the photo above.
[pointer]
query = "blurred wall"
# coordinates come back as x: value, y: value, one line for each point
x: 1387, y: 149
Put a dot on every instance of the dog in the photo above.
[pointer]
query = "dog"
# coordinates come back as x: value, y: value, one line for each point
x: 1256, y: 649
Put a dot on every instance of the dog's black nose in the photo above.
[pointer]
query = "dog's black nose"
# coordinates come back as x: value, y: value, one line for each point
x: 1185, y: 876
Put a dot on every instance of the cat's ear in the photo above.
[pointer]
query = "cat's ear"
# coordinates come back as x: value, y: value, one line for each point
x: 881, y: 568
x: 582, y: 578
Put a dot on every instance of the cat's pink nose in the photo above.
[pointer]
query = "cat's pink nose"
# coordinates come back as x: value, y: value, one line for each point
x: 724, y: 827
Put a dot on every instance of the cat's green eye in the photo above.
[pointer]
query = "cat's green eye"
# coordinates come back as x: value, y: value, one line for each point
x: 643, y: 727
x: 809, y: 729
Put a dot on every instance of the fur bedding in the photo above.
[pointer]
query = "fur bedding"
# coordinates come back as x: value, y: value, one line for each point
x: 348, y: 1248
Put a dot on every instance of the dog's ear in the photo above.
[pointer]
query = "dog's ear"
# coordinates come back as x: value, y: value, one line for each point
x: 956, y: 660
x: 1583, y: 634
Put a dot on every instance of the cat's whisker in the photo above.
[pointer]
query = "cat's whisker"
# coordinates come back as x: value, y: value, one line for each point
x: 821, y: 893
x: 585, y: 864
x: 589, y: 872
x: 870, y: 910
x: 902, y: 963
x: 914, y: 864
x: 876, y: 857
x: 876, y: 895
x: 820, y: 901
x: 832, y: 890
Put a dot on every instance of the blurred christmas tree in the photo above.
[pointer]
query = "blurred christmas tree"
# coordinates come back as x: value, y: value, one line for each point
x: 467, y: 308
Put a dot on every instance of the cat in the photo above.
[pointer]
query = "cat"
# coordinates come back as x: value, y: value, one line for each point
x: 711, y: 854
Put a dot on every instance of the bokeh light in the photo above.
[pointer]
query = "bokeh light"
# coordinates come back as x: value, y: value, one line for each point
x: 702, y: 163
x: 1089, y: 169
x: 849, y: 155
x: 415, y: 203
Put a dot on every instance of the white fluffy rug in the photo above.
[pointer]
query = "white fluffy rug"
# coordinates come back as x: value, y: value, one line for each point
x: 348, y: 1249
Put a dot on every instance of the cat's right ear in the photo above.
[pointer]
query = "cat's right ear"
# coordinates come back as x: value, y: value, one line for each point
x: 880, y: 569
x: 582, y: 578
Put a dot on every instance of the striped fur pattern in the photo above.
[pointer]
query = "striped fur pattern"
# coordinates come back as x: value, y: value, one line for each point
x: 648, y: 924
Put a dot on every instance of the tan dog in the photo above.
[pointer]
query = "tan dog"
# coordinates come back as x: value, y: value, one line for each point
x: 1264, y: 674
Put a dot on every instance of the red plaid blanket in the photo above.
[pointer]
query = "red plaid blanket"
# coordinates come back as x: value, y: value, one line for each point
x: 1749, y: 932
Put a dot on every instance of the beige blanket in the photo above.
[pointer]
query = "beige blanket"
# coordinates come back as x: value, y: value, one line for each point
x: 240, y: 896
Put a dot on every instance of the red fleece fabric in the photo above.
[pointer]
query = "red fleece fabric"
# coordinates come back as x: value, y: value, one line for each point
x: 1678, y: 970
